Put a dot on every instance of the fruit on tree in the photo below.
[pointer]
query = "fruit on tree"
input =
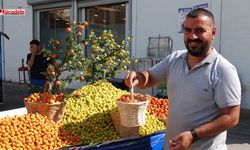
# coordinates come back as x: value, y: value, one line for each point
x: 57, y: 42
x: 58, y: 82
x: 85, y: 23
x: 53, y: 74
x: 68, y: 30
x: 53, y: 56
x: 81, y: 27
x: 82, y: 78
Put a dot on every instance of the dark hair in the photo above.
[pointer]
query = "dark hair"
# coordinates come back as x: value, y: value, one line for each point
x: 201, y: 11
x: 36, y: 42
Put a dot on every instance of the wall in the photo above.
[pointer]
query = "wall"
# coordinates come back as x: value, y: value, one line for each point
x: 235, y: 41
x: 232, y: 38
x: 19, y: 29
x: 162, y: 19
x: 1, y: 17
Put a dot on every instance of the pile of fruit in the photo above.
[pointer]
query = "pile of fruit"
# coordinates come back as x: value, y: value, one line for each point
x: 88, y: 114
x: 33, y: 131
x: 86, y: 120
x: 45, y: 97
x: 158, y: 107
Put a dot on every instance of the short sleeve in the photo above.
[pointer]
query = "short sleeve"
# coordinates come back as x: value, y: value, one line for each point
x: 228, y: 88
x: 28, y: 57
x: 159, y: 72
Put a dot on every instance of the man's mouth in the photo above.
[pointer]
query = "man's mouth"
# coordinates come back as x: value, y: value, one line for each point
x: 194, y: 42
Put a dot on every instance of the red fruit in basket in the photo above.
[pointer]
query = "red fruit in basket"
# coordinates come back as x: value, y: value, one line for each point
x: 77, y: 94
x: 61, y: 94
x: 51, y: 101
x: 127, y: 98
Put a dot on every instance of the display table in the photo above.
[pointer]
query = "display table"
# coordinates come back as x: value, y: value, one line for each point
x: 13, y: 112
x: 153, y: 141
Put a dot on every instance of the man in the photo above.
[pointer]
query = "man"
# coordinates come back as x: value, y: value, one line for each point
x: 37, y: 64
x: 204, y: 90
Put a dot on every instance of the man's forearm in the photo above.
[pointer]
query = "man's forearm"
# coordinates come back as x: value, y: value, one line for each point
x: 31, y: 60
x: 142, y: 78
x: 224, y: 122
x: 145, y: 81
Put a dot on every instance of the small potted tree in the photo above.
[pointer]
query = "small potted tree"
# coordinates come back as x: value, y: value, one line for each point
x: 66, y: 60
x: 106, y: 59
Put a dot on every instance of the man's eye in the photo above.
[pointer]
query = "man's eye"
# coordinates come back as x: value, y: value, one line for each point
x: 187, y: 30
x: 200, y: 30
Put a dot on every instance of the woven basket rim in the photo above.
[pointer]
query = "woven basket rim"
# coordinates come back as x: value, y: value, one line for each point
x: 132, y: 103
x: 55, y: 103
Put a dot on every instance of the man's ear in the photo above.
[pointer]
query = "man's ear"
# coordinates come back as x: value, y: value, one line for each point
x: 213, y: 33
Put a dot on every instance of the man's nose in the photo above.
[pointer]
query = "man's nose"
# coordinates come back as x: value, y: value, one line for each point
x: 193, y: 35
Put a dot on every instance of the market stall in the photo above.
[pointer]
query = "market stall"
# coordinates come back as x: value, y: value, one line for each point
x: 95, y: 116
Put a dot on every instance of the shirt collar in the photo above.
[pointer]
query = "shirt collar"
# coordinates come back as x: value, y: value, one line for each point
x: 209, y: 59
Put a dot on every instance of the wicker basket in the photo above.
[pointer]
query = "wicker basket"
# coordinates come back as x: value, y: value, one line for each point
x: 132, y: 114
x: 53, y: 111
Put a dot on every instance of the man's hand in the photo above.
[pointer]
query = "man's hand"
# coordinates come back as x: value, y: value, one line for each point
x: 182, y: 141
x: 131, y: 79
x: 33, y: 51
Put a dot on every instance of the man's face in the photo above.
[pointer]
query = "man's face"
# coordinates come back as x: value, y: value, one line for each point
x: 199, y: 33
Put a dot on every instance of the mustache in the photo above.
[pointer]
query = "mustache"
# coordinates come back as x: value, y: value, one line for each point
x: 196, y: 40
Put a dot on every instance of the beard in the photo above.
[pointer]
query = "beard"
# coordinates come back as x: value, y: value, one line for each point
x: 197, y: 51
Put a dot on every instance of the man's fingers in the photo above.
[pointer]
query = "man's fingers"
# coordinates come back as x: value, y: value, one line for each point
x: 175, y: 142
x: 130, y: 79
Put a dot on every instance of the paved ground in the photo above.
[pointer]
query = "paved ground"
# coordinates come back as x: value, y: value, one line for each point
x: 238, y: 137
x: 13, y: 95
